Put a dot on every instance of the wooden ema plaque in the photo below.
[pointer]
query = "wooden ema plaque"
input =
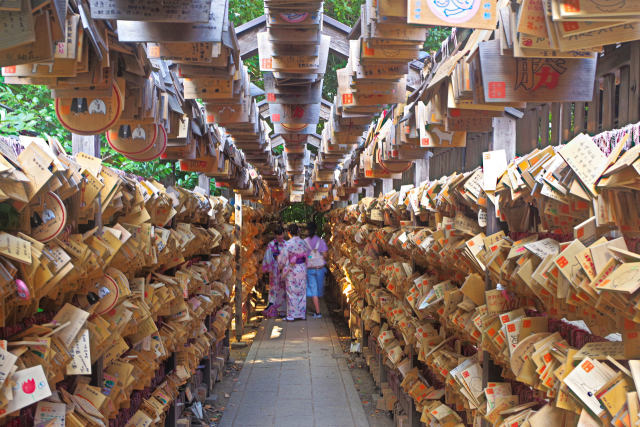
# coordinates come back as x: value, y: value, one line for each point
x: 152, y: 10
x: 206, y: 165
x: 436, y: 136
x: 479, y: 14
x: 155, y: 150
x: 229, y: 113
x: 303, y: 128
x: 208, y: 88
x: 509, y: 79
x: 291, y: 94
x: 295, y: 114
x: 597, y: 9
x: 88, y: 113
x: 132, y: 137
x: 296, y: 19
x: 161, y: 32
x: 195, y: 53
x: 108, y: 291
x: 48, y: 217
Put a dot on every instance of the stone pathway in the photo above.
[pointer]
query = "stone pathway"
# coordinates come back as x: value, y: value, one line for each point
x: 295, y: 375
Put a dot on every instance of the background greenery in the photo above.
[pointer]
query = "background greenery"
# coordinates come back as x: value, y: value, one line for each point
x: 29, y: 109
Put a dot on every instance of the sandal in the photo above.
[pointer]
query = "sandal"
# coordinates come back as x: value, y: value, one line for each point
x: 270, y: 312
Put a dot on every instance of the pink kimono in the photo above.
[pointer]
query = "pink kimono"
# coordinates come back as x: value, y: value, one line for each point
x: 276, y: 282
x: 292, y: 261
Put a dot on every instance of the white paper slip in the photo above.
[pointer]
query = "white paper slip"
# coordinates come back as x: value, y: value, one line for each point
x: 494, y: 164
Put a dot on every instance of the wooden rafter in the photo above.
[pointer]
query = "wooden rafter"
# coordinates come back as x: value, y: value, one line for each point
x: 247, y: 34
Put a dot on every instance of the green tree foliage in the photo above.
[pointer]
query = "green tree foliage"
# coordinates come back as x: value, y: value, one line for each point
x: 345, y: 11
x: 435, y: 38
x: 29, y: 109
x: 330, y: 84
x: 241, y: 11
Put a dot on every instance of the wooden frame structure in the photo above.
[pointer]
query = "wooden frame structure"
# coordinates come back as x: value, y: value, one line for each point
x: 248, y: 36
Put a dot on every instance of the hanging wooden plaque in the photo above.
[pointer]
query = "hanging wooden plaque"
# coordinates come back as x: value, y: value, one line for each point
x: 152, y: 10
x: 436, y: 136
x: 155, y: 150
x: 509, y: 79
x: 48, y: 217
x: 87, y: 113
x: 158, y: 32
x: 295, y: 113
x: 479, y: 14
x: 304, y: 129
x: 132, y: 137
x: 298, y: 19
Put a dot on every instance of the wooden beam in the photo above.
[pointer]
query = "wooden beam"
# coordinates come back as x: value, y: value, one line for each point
x: 339, y: 33
x: 247, y: 35
x: 614, y: 59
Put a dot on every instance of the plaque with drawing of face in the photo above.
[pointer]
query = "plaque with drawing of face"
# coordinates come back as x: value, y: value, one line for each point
x: 609, y: 5
x: 461, y: 13
x: 48, y: 217
x: 130, y: 137
x: 454, y: 11
x: 155, y: 149
x: 87, y: 113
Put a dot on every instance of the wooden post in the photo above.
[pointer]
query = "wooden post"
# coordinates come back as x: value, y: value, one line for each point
x: 91, y: 145
x: 504, y: 138
x: 387, y: 185
x: 85, y: 144
x: 556, y: 131
x: 634, y: 83
x: 422, y: 171
x: 544, y: 125
x: 204, y: 182
x: 238, y: 233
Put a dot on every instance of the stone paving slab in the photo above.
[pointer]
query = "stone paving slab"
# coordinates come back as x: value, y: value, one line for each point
x: 295, y: 375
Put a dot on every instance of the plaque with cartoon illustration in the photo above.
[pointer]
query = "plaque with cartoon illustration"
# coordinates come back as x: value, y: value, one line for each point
x: 132, y: 137
x: 48, y: 216
x: 155, y: 150
x: 479, y: 14
x: 88, y: 114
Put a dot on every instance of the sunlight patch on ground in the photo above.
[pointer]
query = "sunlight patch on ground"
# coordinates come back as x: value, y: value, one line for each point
x: 276, y: 332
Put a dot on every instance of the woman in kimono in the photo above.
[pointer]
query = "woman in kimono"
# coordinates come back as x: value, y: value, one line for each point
x: 292, y: 260
x: 277, y: 306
